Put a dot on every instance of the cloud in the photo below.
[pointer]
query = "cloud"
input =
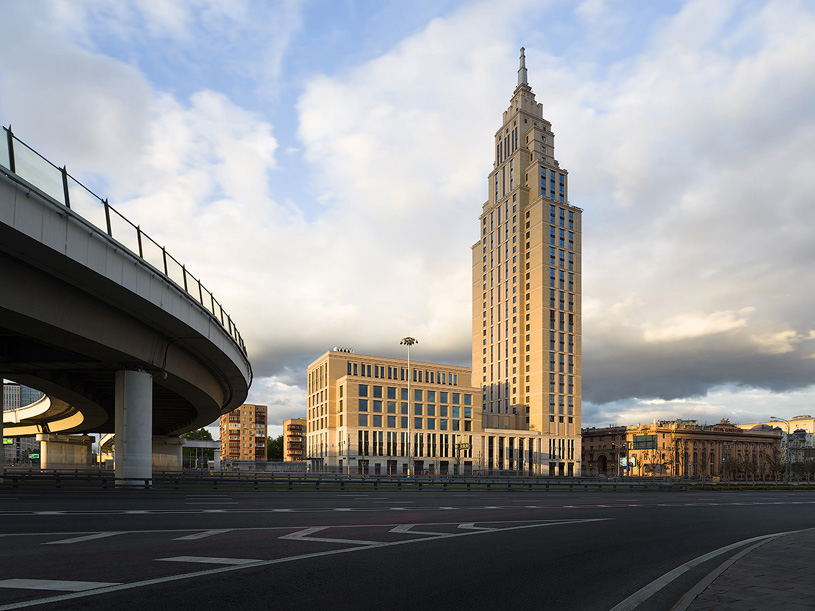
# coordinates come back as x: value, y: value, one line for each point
x: 689, y: 149
x: 695, y: 324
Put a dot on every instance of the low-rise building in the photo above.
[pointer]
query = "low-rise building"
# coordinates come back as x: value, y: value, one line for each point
x: 243, y: 434
x: 294, y: 439
x: 681, y: 448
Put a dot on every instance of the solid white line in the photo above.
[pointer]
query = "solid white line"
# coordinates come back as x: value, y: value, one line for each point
x: 54, y: 584
x: 264, y: 563
x: 81, y: 539
x: 210, y: 560
x: 203, y: 535
x: 647, y: 591
x: 691, y: 594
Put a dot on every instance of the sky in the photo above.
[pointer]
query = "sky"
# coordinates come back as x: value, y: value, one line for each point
x: 321, y: 166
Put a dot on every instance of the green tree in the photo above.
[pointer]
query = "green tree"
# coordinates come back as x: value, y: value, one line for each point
x: 274, y: 448
x: 199, y: 435
x: 191, y: 455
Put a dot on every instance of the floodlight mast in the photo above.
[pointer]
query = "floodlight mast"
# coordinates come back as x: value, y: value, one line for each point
x: 408, y: 341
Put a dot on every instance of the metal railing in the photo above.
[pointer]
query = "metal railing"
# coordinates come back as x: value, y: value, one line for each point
x: 58, y: 186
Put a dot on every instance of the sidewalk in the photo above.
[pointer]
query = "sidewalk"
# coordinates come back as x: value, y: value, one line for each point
x: 776, y: 574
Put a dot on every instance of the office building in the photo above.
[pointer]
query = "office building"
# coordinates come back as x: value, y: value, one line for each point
x: 294, y: 439
x: 370, y: 414
x: 243, y: 434
x: 526, y: 329
x: 16, y: 395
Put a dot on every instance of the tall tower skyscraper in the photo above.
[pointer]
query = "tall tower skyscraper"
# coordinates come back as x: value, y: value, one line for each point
x: 527, y: 289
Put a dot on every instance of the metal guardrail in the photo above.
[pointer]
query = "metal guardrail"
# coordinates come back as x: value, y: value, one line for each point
x: 56, y: 184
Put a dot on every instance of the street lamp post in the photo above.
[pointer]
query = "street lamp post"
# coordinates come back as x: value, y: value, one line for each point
x: 786, y: 448
x: 408, y: 341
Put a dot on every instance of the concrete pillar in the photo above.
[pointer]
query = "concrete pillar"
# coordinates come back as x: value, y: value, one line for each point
x: 133, y: 450
x: 217, y: 460
x: 167, y: 453
x: 61, y: 451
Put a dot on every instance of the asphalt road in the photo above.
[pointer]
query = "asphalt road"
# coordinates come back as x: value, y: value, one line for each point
x: 391, y: 550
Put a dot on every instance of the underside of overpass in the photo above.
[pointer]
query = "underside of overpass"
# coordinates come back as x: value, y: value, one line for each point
x: 98, y: 328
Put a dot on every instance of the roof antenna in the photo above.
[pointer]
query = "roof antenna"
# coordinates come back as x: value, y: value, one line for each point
x: 522, y: 70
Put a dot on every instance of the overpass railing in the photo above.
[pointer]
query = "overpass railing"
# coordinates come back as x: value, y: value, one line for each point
x: 55, y: 183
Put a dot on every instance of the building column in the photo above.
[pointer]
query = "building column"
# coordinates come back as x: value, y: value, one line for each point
x: 134, y: 427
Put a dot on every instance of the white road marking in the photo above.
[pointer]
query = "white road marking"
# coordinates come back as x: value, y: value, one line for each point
x: 303, y: 535
x: 210, y: 560
x: 472, y: 526
x: 633, y: 601
x: 406, y: 529
x: 55, y: 584
x: 81, y: 539
x: 264, y: 563
x: 203, y: 535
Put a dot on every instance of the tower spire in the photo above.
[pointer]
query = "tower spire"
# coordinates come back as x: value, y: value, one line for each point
x: 522, y: 70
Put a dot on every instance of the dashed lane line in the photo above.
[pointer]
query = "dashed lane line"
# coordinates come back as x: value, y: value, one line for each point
x: 264, y: 563
x: 101, y: 535
x: 55, y: 584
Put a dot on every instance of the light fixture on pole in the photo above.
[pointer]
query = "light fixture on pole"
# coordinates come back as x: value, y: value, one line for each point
x: 408, y: 341
x: 786, y: 448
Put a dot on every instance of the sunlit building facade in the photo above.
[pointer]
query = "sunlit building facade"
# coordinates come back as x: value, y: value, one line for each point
x: 681, y: 448
x: 364, y: 417
x: 294, y: 440
x: 526, y: 290
x: 243, y: 434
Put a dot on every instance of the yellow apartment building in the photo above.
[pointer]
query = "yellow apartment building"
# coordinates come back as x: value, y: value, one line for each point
x: 294, y: 439
x: 526, y: 291
x: 243, y: 433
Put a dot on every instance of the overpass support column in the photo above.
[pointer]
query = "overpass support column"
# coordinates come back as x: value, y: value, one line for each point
x: 167, y: 453
x: 134, y: 427
x: 60, y: 451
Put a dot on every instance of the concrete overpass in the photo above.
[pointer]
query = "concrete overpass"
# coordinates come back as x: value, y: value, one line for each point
x: 120, y: 335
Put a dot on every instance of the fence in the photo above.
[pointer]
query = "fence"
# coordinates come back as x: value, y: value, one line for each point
x: 60, y: 187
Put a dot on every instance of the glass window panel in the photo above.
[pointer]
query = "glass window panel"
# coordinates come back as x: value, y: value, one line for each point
x: 378, y: 421
x: 175, y: 271
x: 88, y: 206
x: 4, y: 158
x: 39, y: 172
x: 377, y: 406
x: 378, y: 392
x: 363, y: 420
x: 123, y: 232
x: 151, y: 252
x: 363, y: 405
x: 363, y: 390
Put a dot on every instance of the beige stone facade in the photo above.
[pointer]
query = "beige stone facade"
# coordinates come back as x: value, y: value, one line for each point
x: 294, y: 439
x: 244, y: 434
x: 681, y: 448
x: 527, y: 289
x: 362, y: 419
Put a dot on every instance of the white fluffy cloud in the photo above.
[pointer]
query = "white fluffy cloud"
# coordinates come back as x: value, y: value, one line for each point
x: 690, y: 152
